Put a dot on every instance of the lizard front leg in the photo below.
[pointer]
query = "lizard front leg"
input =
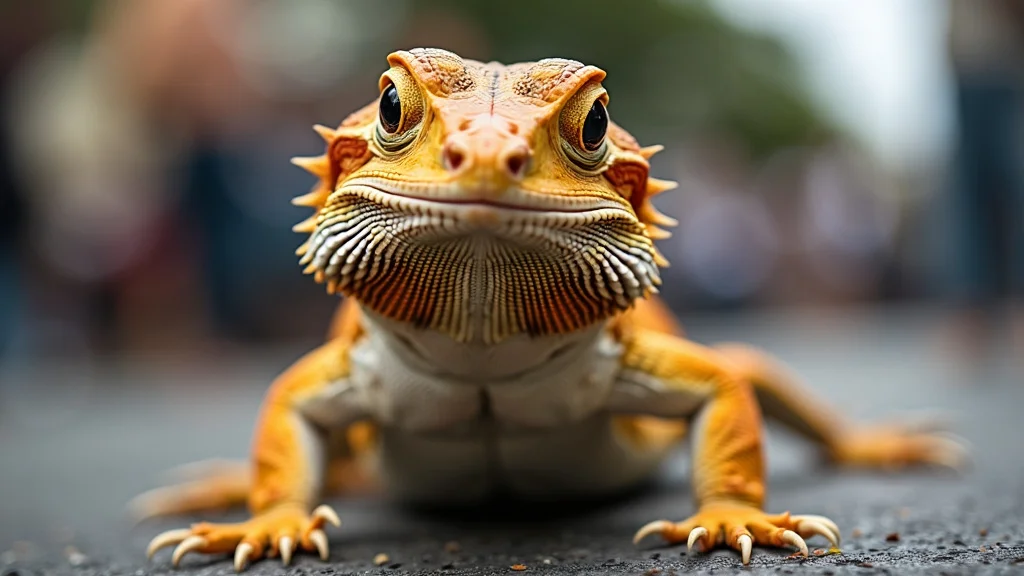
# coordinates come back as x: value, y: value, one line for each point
x: 669, y: 377
x: 288, y: 468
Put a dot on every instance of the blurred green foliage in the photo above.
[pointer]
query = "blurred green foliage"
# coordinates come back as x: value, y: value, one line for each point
x: 675, y: 67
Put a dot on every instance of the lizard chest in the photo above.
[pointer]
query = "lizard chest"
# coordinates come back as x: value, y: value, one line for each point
x: 455, y: 393
x: 544, y: 433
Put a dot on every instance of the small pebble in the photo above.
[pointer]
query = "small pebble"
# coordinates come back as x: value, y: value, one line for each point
x: 75, y: 558
x: 381, y: 559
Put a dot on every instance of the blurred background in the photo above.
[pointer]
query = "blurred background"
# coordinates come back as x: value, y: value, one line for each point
x: 851, y: 199
x: 832, y: 156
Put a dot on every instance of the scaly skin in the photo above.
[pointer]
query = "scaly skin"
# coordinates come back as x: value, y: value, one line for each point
x: 491, y: 210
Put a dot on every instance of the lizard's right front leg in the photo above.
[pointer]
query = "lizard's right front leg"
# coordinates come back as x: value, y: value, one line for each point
x: 288, y: 460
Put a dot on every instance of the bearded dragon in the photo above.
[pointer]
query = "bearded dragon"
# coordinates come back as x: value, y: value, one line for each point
x: 492, y: 233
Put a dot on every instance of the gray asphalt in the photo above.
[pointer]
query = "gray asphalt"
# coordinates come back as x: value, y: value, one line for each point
x: 78, y: 441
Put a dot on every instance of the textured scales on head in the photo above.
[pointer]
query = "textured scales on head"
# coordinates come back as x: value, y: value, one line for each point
x: 477, y: 211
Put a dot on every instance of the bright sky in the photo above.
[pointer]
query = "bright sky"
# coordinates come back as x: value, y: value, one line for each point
x: 878, y: 66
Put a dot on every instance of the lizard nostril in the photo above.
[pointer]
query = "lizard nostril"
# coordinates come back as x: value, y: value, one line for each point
x: 515, y: 162
x: 454, y: 157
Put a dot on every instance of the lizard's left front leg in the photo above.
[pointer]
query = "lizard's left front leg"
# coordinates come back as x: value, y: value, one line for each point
x: 288, y: 467
x: 670, y: 377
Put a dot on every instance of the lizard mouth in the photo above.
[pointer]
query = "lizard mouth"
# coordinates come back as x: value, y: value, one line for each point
x: 455, y: 196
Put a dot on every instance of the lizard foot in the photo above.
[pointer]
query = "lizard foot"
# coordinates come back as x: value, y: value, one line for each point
x: 900, y: 445
x: 276, y: 531
x: 741, y: 527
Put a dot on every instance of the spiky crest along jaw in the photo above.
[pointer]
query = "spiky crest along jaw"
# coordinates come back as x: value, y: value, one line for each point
x: 478, y: 213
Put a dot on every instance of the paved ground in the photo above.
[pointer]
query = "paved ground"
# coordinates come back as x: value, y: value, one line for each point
x: 78, y: 442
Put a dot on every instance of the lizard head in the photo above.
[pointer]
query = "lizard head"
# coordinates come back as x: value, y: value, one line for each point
x: 484, y: 201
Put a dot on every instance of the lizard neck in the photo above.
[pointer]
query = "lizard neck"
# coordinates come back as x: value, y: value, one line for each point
x: 434, y: 352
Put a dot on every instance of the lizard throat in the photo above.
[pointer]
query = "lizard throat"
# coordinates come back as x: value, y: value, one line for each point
x: 480, y: 273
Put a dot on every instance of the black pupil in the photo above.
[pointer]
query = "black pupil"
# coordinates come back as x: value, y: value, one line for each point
x: 390, y: 109
x: 595, y: 126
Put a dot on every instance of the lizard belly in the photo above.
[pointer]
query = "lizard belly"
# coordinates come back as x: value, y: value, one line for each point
x: 573, y: 460
x: 542, y: 431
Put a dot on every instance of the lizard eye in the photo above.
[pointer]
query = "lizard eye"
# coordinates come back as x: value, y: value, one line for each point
x: 400, y: 111
x: 390, y: 110
x: 595, y: 126
x: 583, y: 125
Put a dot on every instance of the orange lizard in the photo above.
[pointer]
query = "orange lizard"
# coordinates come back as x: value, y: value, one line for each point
x: 492, y: 233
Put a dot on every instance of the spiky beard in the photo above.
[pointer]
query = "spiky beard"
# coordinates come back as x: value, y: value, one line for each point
x: 525, y: 271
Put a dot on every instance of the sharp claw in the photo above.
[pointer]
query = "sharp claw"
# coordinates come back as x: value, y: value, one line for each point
x: 242, y: 555
x: 951, y: 451
x: 955, y: 460
x: 695, y: 534
x: 817, y: 527
x: 319, y: 539
x: 952, y: 438
x: 326, y: 513
x: 746, y: 543
x: 287, y: 546
x: 656, y: 527
x: 827, y: 523
x: 169, y: 538
x: 187, y: 545
x: 794, y: 539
